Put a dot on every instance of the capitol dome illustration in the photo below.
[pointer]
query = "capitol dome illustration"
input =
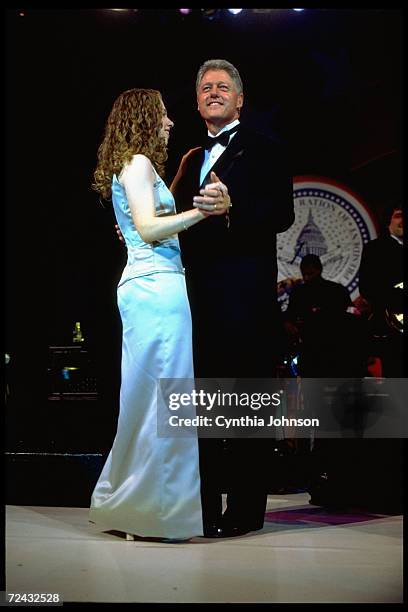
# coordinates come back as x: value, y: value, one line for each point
x: 310, y: 239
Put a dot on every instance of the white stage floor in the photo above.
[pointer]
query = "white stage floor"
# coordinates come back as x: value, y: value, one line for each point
x: 303, y: 554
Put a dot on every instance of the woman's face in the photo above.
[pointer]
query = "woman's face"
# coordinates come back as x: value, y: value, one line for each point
x: 167, y: 124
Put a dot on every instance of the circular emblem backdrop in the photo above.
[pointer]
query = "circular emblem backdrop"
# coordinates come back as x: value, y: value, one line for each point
x: 331, y: 222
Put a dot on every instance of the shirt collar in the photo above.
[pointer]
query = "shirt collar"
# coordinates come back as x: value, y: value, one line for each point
x: 397, y: 239
x: 225, y: 128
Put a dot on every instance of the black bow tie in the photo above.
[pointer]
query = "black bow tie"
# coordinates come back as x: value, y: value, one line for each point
x: 222, y: 138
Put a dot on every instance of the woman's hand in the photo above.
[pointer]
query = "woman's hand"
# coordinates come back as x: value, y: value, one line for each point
x: 214, y: 198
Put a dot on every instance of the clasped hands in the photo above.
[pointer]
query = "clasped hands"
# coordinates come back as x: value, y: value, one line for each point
x: 214, y: 198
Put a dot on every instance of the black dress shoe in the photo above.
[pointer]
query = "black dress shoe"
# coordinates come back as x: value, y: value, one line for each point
x: 213, y: 531
x: 230, y: 530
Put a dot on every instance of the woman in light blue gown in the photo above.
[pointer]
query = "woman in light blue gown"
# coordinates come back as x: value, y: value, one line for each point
x: 149, y: 485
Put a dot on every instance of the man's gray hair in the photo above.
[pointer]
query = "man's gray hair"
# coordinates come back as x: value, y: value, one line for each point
x: 220, y: 64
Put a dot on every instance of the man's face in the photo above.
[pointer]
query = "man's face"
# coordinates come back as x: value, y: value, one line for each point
x: 309, y: 273
x: 396, y: 225
x: 217, y: 98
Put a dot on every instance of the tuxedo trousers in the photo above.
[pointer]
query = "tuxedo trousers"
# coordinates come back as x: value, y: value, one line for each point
x: 234, y: 323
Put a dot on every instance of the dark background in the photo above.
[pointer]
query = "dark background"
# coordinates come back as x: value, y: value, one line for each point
x: 327, y: 81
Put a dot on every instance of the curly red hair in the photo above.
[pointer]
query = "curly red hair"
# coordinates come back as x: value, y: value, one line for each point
x: 133, y: 126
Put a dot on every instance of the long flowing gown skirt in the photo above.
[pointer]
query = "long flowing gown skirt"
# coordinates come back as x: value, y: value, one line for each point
x: 150, y: 485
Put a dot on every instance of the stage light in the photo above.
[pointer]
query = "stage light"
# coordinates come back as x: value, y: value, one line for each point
x: 298, y: 9
x: 185, y: 11
x: 209, y: 13
x: 234, y: 11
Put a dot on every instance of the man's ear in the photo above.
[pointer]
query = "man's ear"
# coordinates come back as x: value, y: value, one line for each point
x: 240, y: 101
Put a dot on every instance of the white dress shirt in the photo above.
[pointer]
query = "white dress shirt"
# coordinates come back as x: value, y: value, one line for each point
x: 216, y: 151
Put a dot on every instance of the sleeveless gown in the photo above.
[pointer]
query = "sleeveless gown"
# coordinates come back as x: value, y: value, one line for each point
x: 150, y: 485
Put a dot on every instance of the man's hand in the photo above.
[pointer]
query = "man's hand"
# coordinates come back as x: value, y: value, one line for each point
x: 119, y: 233
x: 214, y: 198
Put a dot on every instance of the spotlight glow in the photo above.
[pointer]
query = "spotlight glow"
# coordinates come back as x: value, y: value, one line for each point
x: 298, y: 9
x: 234, y: 11
x: 209, y: 13
x: 185, y: 11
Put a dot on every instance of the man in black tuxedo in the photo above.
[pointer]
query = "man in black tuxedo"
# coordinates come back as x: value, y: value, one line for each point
x: 231, y: 274
x: 377, y: 484
x: 381, y: 275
